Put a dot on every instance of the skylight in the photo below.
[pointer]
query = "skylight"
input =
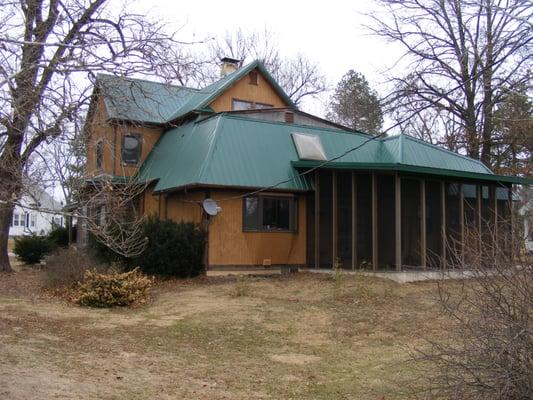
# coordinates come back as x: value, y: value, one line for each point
x: 309, y: 147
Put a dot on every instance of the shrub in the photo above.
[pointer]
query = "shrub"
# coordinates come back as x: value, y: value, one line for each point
x: 65, y: 267
x: 58, y: 237
x: 102, y: 253
x: 113, y: 288
x: 174, y: 249
x: 31, y: 249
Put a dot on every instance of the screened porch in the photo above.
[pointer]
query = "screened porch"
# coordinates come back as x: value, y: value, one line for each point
x: 392, y: 221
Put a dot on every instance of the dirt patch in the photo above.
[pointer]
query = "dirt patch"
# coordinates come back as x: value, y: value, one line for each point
x: 196, y: 340
x: 296, y: 359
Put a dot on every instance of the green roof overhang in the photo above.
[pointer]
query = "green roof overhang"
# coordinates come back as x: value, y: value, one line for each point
x: 416, y: 170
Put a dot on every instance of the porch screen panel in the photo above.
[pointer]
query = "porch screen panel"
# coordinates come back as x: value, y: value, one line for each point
x: 433, y: 224
x: 487, y: 216
x: 344, y: 215
x: 411, y: 222
x: 386, y: 221
x: 310, y: 228
x: 326, y: 219
x: 453, y: 223
x: 504, y: 216
x: 364, y: 219
x: 471, y: 228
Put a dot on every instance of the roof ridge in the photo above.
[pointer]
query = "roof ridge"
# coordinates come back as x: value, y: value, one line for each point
x: 229, y: 114
x: 447, y: 151
x: 146, y: 80
x: 209, y: 155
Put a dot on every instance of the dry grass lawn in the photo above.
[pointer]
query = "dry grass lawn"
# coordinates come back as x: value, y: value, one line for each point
x: 297, y: 337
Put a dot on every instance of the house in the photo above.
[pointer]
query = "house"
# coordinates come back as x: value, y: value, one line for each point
x: 36, y: 213
x: 293, y: 189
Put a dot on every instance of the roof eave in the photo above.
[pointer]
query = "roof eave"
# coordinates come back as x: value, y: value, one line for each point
x: 417, y: 170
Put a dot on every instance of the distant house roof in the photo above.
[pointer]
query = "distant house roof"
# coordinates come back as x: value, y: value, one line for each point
x: 229, y: 149
x: 143, y: 101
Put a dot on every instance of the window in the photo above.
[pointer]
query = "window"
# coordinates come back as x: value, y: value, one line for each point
x: 239, y: 105
x: 131, y: 149
x: 99, y: 154
x: 253, y: 78
x: 33, y: 220
x: 270, y: 213
x: 57, y: 221
x: 17, y: 219
x: 263, y: 105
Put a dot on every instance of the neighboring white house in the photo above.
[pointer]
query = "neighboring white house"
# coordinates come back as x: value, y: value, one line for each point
x: 30, y: 217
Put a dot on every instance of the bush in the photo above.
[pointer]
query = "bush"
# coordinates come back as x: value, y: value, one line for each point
x: 65, y: 267
x: 174, y: 249
x: 102, y: 253
x: 113, y: 288
x: 31, y: 249
x: 58, y: 237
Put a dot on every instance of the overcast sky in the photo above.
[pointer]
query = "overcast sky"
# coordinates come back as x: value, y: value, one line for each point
x: 330, y: 33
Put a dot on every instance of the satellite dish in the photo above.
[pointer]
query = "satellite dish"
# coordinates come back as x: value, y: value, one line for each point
x: 211, y: 207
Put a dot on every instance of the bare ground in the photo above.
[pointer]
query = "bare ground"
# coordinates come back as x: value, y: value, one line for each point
x: 297, y: 337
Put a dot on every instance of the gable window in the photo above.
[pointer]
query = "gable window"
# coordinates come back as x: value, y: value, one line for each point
x: 99, y: 154
x: 131, y: 149
x: 270, y: 214
x: 253, y: 78
x: 238, y: 105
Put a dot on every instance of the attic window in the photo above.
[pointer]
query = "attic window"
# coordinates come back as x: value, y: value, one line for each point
x: 309, y: 147
x: 253, y: 78
x: 239, y: 105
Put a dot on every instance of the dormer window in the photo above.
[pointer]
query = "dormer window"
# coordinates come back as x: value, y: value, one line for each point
x: 131, y: 149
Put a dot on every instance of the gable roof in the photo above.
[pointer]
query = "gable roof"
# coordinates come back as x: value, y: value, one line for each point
x: 231, y: 150
x: 143, y: 101
x: 201, y: 99
x: 139, y: 100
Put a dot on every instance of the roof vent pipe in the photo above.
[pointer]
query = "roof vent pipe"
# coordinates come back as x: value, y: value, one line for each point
x: 228, y: 66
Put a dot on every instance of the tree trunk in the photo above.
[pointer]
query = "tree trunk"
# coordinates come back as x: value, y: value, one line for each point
x: 6, y: 214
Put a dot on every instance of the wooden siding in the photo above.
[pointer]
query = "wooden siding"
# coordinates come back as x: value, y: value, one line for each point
x: 99, y: 129
x: 228, y: 244
x: 263, y: 92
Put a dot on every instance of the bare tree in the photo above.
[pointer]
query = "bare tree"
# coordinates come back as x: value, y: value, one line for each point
x: 489, y: 346
x: 47, y: 50
x: 462, y: 57
x: 298, y: 76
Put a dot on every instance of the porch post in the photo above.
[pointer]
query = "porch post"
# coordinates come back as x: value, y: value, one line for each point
x: 423, y: 233
x: 317, y: 220
x: 443, y: 223
x: 462, y: 221
x: 354, y: 221
x: 494, y: 238
x: 479, y: 193
x: 398, y: 221
x: 374, y: 222
x: 334, y: 217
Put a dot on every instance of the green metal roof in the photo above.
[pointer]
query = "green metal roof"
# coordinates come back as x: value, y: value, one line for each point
x: 205, y: 96
x: 140, y: 100
x: 153, y: 102
x: 232, y: 150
